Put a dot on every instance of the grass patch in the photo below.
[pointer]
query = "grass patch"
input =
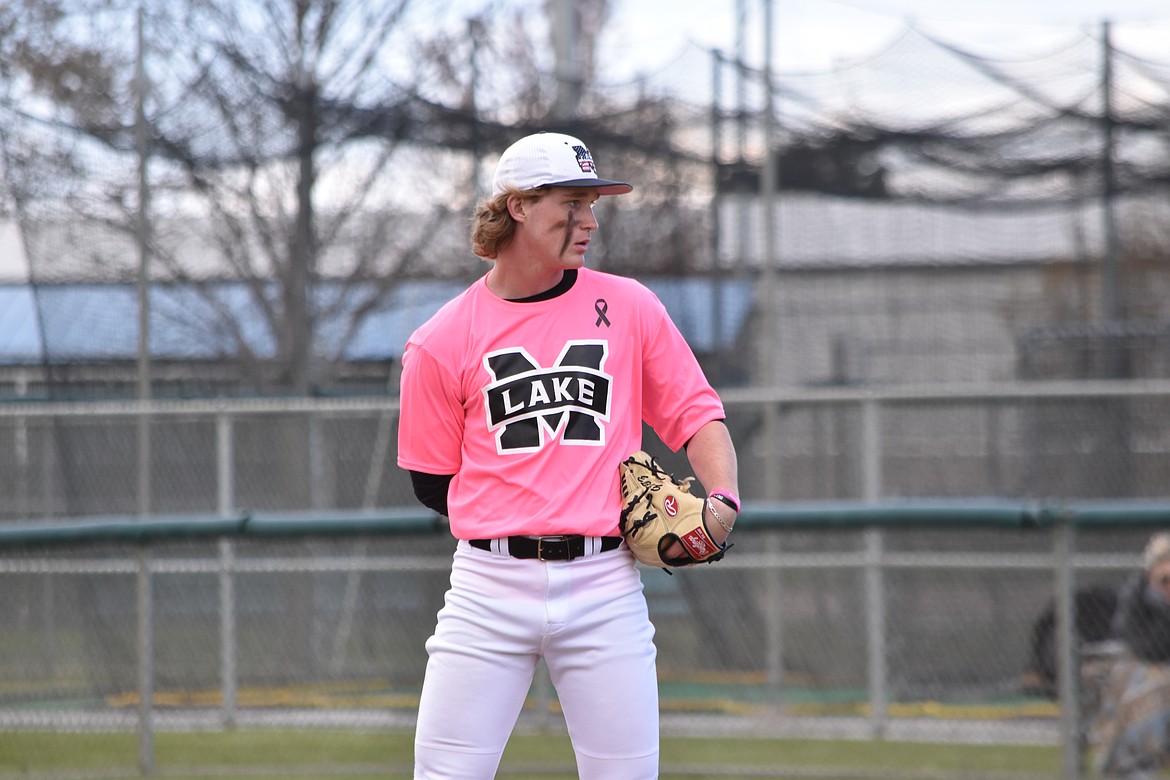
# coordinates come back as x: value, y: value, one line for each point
x: 336, y: 755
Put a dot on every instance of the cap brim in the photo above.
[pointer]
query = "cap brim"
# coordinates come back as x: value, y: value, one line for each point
x: 603, y: 186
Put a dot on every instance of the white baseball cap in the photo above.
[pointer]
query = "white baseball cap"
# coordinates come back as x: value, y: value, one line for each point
x: 551, y: 160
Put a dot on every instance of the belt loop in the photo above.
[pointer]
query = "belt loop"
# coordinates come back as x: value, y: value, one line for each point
x: 500, y: 547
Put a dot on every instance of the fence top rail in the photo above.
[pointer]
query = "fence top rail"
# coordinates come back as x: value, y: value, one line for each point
x: 965, y: 391
x: 135, y: 529
x: 935, y: 513
x: 736, y: 396
x: 956, y: 513
x: 10, y: 408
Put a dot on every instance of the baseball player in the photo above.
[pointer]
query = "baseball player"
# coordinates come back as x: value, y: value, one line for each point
x: 520, y: 398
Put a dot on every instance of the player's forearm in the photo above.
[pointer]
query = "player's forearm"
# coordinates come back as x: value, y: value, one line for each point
x: 711, y: 454
x: 712, y: 457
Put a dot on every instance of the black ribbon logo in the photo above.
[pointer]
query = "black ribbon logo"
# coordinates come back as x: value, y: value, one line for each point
x: 601, y: 307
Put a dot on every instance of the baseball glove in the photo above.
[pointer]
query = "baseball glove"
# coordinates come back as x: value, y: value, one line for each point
x: 659, y: 510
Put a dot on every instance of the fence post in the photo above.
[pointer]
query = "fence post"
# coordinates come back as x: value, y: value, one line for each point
x: 875, y: 590
x: 773, y: 598
x: 145, y: 663
x: 774, y: 621
x: 1068, y: 665
x: 875, y: 623
x: 228, y: 645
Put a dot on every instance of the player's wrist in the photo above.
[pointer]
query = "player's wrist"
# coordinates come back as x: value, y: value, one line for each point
x: 725, y: 497
x: 725, y: 521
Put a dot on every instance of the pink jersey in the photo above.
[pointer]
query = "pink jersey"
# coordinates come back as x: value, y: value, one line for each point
x: 533, y: 405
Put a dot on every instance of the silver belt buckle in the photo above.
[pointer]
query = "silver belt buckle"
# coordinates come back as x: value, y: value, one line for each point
x: 540, y: 540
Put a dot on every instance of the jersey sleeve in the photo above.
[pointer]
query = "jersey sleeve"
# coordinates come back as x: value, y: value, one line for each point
x: 431, y: 417
x: 677, y: 399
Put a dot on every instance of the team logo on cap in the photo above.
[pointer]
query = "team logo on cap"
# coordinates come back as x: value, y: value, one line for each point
x: 585, y: 160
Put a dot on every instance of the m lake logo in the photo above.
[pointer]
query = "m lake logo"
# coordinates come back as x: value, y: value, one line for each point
x: 528, y: 405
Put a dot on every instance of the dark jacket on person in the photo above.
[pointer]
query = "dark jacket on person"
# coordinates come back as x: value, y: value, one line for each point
x: 1096, y: 611
x: 1142, y: 621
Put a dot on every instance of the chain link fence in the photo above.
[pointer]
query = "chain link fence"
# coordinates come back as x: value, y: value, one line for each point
x: 901, y: 623
x: 286, y: 577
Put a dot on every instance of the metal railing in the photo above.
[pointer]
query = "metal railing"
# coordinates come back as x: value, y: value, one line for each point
x: 31, y: 548
x: 815, y: 464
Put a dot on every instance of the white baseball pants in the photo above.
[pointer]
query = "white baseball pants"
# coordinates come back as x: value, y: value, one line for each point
x: 587, y: 618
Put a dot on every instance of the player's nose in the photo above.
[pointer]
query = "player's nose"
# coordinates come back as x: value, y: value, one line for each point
x: 589, y: 220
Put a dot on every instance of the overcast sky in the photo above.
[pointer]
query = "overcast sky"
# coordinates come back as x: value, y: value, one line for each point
x: 814, y: 35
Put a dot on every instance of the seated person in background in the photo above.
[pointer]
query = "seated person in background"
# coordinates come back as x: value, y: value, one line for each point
x: 1129, y: 734
x: 1143, y: 615
x: 1095, y: 608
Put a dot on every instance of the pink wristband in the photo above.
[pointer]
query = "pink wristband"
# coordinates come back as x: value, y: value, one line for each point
x: 725, y: 497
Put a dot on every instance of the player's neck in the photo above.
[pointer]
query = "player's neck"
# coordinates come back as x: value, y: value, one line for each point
x: 513, y: 284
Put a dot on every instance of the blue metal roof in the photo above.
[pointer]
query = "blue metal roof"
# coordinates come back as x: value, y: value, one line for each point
x: 80, y: 323
x: 20, y: 333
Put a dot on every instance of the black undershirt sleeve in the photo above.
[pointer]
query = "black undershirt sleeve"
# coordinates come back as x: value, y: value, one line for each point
x: 431, y: 490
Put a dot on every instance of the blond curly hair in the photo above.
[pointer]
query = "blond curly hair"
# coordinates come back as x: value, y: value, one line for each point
x: 1156, y: 550
x: 492, y: 226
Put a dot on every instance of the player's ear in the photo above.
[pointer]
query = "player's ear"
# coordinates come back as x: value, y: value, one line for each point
x: 518, y: 207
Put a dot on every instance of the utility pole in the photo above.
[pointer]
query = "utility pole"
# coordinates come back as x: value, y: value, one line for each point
x: 144, y: 584
x: 773, y: 491
x: 1110, y: 288
x: 768, y: 203
x: 142, y: 148
x: 566, y: 32
x: 475, y: 30
x: 743, y: 232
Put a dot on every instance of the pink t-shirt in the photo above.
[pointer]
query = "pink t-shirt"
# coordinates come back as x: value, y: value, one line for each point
x: 533, y: 405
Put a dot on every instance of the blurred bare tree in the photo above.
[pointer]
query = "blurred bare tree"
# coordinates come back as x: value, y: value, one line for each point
x: 278, y: 132
x: 509, y: 74
x: 270, y: 146
x: 40, y: 62
x: 298, y: 142
x: 37, y: 56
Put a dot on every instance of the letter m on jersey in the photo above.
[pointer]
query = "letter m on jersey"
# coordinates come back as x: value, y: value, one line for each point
x: 527, y: 405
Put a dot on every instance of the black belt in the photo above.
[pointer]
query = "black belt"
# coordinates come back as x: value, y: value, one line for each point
x: 549, y: 548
